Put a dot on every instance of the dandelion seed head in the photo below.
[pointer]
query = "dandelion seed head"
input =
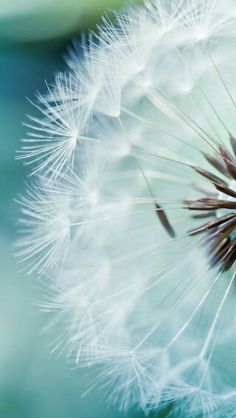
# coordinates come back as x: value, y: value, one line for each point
x: 131, y: 210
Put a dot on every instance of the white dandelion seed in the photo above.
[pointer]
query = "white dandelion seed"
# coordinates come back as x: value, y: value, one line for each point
x: 133, y: 217
x: 51, y: 143
x: 45, y: 227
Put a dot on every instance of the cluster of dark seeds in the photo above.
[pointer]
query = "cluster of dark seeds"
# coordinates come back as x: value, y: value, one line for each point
x: 218, y: 230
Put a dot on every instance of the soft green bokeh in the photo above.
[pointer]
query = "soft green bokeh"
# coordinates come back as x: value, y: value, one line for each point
x: 28, y: 20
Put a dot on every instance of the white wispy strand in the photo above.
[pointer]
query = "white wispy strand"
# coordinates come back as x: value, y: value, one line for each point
x: 113, y: 142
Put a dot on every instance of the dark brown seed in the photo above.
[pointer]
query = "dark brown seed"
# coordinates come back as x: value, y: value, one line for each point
x: 209, y: 176
x: 228, y: 227
x: 164, y: 220
x: 217, y: 163
x: 229, y: 257
x: 218, y: 251
x: 212, y: 224
x: 206, y: 203
x: 233, y: 144
x: 229, y: 161
x: 225, y: 189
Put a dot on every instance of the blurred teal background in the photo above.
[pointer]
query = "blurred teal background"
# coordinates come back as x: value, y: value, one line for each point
x: 34, y: 383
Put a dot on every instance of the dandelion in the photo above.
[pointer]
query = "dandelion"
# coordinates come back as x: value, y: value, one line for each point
x: 131, y: 216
